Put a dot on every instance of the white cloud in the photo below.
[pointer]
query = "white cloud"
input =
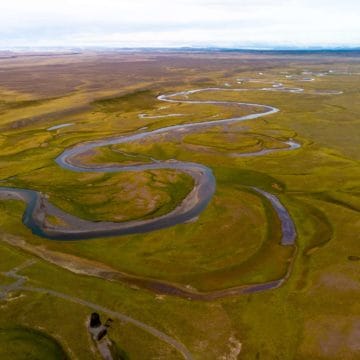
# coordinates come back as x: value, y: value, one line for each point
x: 179, y: 22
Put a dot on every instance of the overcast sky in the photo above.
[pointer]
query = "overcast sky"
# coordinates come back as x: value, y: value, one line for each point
x: 159, y: 23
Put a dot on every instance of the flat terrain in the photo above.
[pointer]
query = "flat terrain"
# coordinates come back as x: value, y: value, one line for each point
x: 266, y: 268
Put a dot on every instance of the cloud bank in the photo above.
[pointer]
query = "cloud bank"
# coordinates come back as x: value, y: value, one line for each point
x: 159, y: 23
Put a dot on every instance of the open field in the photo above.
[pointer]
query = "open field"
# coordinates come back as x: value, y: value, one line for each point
x: 220, y: 284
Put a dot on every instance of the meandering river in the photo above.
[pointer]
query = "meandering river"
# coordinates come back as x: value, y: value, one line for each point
x: 39, y: 207
x: 73, y: 228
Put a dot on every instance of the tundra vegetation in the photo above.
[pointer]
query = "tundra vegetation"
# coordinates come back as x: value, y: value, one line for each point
x: 235, y: 241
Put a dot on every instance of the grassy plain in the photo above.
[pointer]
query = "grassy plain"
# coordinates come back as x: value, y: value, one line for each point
x: 23, y: 343
x: 234, y: 241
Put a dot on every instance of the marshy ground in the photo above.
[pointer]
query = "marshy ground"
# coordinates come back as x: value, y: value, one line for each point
x: 52, y: 103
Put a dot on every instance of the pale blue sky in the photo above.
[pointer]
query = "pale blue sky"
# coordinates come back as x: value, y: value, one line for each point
x: 159, y: 23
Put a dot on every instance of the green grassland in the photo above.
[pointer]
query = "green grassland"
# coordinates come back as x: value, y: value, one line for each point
x: 131, y: 196
x: 235, y: 241
x: 24, y: 343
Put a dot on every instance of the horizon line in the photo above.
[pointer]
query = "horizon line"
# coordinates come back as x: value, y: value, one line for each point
x: 186, y: 48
